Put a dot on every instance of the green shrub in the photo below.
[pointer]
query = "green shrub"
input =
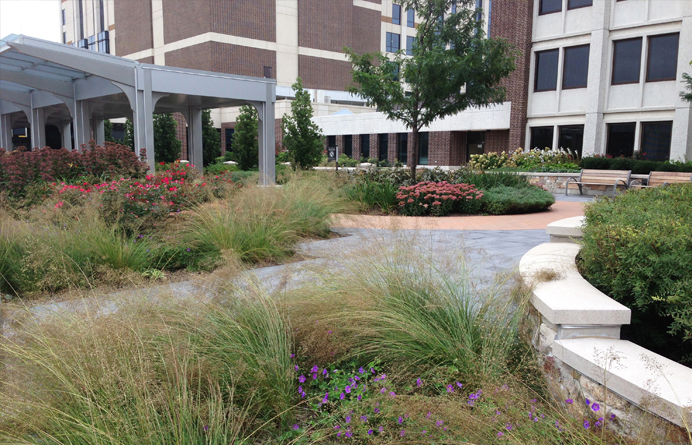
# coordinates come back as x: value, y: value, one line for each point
x: 345, y: 161
x: 504, y: 200
x: 371, y: 194
x: 639, y: 167
x: 637, y: 248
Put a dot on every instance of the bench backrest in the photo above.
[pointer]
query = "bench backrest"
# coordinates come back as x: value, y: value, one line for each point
x: 659, y: 178
x: 605, y: 176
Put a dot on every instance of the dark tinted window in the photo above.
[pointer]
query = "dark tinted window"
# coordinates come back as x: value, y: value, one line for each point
x: 331, y: 141
x: 627, y: 61
x: 348, y: 146
x: 546, y: 70
x: 410, y: 18
x: 229, y: 138
x: 423, y: 148
x: 621, y: 140
x: 549, y: 6
x: 541, y: 137
x: 365, y: 146
x: 576, y: 70
x: 64, y: 19
x: 663, y: 57
x: 573, y: 4
x: 393, y: 44
x: 396, y: 14
x: 572, y: 137
x: 409, y: 45
x: 267, y: 72
x: 383, y: 147
x: 656, y: 140
x: 402, y: 147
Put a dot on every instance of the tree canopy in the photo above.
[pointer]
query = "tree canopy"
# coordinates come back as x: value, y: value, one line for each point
x: 452, y: 67
x: 166, y: 144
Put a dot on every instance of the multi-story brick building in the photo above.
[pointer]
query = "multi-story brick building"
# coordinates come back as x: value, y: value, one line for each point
x: 566, y: 90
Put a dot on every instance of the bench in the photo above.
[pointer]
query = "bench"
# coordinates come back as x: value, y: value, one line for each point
x: 601, y: 177
x: 657, y: 179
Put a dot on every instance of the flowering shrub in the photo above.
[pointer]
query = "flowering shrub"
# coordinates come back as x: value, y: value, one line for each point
x: 488, y: 161
x: 438, y: 199
x: 523, y: 158
x: 20, y: 168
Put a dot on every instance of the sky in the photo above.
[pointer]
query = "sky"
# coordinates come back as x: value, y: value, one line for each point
x: 35, y: 18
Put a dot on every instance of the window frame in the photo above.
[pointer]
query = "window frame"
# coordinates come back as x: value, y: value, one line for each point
x: 564, y: 61
x: 577, y: 7
x: 388, y: 43
x: 561, y: 128
x: 543, y: 127
x: 608, y: 128
x: 412, y: 40
x: 648, y: 57
x: 411, y: 18
x: 540, y: 8
x: 535, y: 74
x: 615, y: 49
x: 642, y: 126
x: 396, y: 7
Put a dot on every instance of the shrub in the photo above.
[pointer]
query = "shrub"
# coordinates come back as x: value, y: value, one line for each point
x: 20, y: 168
x: 488, y: 161
x: 167, y: 147
x: 345, y: 161
x: 302, y: 137
x: 503, y: 200
x: 245, y: 148
x: 637, y: 248
x: 371, y: 194
x: 524, y: 159
x: 438, y: 199
x: 639, y: 167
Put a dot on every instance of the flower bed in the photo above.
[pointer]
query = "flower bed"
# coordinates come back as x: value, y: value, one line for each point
x: 438, y: 199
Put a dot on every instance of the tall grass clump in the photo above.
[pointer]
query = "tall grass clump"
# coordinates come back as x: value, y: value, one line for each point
x: 264, y: 223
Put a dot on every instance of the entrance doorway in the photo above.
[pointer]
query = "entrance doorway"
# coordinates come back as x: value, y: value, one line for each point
x: 475, y: 144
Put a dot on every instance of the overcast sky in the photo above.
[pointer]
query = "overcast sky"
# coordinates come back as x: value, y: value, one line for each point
x: 35, y: 18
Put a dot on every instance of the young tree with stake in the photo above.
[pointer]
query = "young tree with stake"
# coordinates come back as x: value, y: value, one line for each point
x: 452, y: 67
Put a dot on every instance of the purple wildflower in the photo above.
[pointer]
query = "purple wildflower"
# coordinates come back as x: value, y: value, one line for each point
x: 361, y: 370
x: 348, y: 419
x: 359, y: 397
x: 595, y: 407
x: 588, y: 402
x: 401, y: 420
x: 439, y: 423
x: 587, y: 425
x: 450, y: 388
x: 342, y: 396
x: 380, y: 429
x: 427, y: 416
x: 364, y: 418
x: 418, y: 382
x: 500, y: 434
x: 402, y: 433
x: 569, y: 401
x: 377, y: 410
x: 301, y: 379
x: 296, y: 427
x: 297, y: 368
x: 383, y: 390
x: 206, y: 428
x: 349, y: 433
x: 370, y: 432
x: 325, y: 372
x: 460, y: 385
x: 347, y: 389
x: 393, y: 394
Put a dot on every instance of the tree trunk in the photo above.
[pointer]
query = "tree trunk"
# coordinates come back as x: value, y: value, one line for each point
x: 413, y: 161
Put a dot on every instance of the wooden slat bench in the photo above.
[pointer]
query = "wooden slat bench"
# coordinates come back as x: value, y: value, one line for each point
x: 657, y: 179
x: 601, y: 177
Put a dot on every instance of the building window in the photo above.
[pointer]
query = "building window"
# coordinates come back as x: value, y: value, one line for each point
x: 64, y: 37
x: 627, y: 60
x: 546, y: 70
x: 423, y: 139
x: 348, y: 146
x: 104, y: 44
x: 656, y: 140
x: 229, y: 139
x: 364, y: 146
x: 572, y: 137
x: 662, y: 62
x: 331, y: 141
x: 574, y: 4
x: 393, y: 44
x: 410, y: 18
x: 81, y: 20
x: 402, y: 147
x: 576, y: 67
x: 267, y: 72
x: 64, y: 18
x: 102, y: 17
x: 549, y: 6
x: 93, y: 44
x: 490, y: 15
x: 542, y: 137
x: 479, y: 10
x: 396, y: 14
x: 383, y: 147
x: 409, y: 45
x: 621, y: 140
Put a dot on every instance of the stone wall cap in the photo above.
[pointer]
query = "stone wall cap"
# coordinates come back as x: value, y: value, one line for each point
x: 570, y: 227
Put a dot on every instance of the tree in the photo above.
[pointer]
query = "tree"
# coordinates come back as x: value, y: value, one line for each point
x: 211, y: 139
x: 108, y: 131
x: 687, y: 95
x: 129, y: 139
x: 166, y: 144
x: 302, y: 137
x: 245, y: 145
x: 452, y: 67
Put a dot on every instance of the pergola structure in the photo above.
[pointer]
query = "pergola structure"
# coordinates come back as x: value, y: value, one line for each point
x: 77, y: 89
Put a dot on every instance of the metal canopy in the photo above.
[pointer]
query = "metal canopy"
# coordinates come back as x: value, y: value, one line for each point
x: 77, y: 89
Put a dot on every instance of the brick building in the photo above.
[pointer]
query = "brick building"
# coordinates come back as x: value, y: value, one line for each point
x: 304, y: 38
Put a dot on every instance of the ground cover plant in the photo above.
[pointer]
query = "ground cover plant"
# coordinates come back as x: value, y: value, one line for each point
x: 637, y: 248
x: 119, y: 231
x: 398, y: 347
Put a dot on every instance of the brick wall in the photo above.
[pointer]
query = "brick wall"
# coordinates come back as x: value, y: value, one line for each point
x: 513, y: 20
x: 326, y: 74
x: 223, y: 58
x: 497, y: 141
x: 366, y: 30
x: 149, y: 59
x: 253, y: 19
x: 457, y: 155
x: 324, y: 24
x: 183, y: 19
x: 133, y: 18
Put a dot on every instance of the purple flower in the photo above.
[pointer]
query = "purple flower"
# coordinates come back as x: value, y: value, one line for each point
x: 450, y: 388
x: 500, y: 434
x: 508, y: 427
x: 347, y: 389
x: 427, y: 416
x: 380, y: 429
x: 587, y: 425
x: 424, y: 432
x: 338, y: 434
x: 342, y: 396
x: 206, y: 428
x: 301, y: 379
x: 612, y: 417
x: 315, y: 369
x: 402, y: 433
x: 361, y: 370
x: 300, y: 389
x: 364, y: 418
x: 188, y: 249
x: 296, y: 366
x: 325, y: 372
x: 569, y: 401
x: 293, y: 355
x: 439, y: 423
x: 595, y: 407
x: 349, y: 433
x: 383, y: 390
x: 377, y: 410
x: 348, y: 419
x: 401, y: 420
x: 314, y: 376
x: 296, y: 427
x: 337, y: 427
x: 393, y: 394
x: 418, y: 382
x: 588, y: 402
x: 372, y: 370
x: 329, y: 332
x: 370, y: 432
x: 359, y: 397
x: 302, y: 395
x: 460, y: 385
